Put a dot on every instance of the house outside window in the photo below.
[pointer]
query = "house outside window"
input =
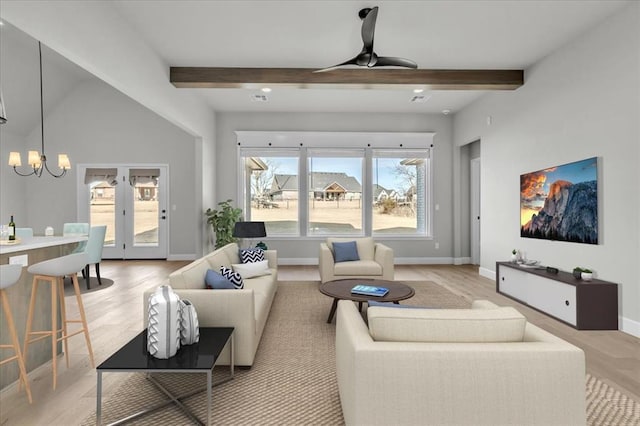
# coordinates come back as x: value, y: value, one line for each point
x: 350, y: 191
x: 400, y: 192
x: 335, y: 192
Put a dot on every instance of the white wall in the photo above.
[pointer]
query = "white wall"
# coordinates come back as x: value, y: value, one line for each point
x: 96, y: 37
x: 581, y: 101
x: 97, y: 124
x: 299, y: 250
x: 12, y: 186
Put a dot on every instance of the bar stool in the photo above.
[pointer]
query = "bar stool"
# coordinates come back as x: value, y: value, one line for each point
x: 53, y: 272
x: 9, y: 275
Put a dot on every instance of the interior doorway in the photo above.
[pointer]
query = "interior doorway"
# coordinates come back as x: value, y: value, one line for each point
x: 131, y: 200
x: 474, y: 186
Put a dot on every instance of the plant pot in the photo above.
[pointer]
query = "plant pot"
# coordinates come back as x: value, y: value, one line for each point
x: 514, y: 258
x: 577, y: 274
x: 587, y: 276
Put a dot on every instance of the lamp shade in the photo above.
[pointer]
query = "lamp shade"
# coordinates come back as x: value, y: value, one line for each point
x: 14, y: 159
x: 63, y: 161
x: 249, y: 230
x: 34, y: 159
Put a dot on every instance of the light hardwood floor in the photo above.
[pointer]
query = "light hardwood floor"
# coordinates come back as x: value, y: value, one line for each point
x: 115, y: 316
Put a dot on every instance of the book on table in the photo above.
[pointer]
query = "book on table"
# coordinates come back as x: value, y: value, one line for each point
x: 368, y: 290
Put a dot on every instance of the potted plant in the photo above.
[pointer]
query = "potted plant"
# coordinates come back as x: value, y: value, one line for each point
x: 587, y: 274
x: 222, y: 221
x: 514, y: 256
x: 577, y: 273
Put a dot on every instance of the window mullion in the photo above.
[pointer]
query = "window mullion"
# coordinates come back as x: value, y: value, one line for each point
x: 303, y: 197
x: 367, y: 196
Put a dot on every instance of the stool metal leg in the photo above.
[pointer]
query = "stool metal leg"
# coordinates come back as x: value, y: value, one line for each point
x: 16, y: 345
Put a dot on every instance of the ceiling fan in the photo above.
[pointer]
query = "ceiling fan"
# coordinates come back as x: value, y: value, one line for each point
x: 367, y: 57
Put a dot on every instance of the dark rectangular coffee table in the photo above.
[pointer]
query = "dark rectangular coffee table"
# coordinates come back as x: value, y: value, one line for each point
x: 200, y: 357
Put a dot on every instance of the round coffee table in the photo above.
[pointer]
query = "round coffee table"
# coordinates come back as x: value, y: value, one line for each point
x: 341, y: 290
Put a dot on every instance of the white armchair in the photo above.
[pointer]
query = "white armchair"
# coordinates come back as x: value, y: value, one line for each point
x: 376, y: 261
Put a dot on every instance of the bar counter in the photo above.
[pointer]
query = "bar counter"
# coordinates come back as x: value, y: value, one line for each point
x: 36, y: 249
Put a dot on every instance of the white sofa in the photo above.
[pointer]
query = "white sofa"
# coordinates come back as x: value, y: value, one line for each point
x: 376, y: 261
x: 246, y: 309
x: 430, y: 367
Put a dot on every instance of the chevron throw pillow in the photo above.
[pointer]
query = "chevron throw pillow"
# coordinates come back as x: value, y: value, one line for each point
x: 234, y: 277
x: 251, y: 255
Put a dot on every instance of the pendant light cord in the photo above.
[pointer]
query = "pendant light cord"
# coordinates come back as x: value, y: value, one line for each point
x: 41, y: 102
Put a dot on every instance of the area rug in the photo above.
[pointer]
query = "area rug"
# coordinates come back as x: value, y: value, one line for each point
x: 292, y: 381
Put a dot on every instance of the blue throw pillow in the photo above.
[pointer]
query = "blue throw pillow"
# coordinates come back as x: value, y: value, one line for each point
x: 345, y: 252
x: 214, y: 280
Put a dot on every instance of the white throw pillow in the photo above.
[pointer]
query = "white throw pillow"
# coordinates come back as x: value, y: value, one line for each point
x: 250, y: 270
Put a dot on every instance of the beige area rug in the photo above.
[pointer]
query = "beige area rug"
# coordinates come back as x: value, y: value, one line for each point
x: 292, y: 381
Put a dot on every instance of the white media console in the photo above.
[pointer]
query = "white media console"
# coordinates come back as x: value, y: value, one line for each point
x: 591, y: 305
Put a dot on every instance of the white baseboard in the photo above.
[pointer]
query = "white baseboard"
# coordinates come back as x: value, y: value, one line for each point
x: 629, y: 326
x: 423, y: 261
x: 173, y: 257
x: 297, y: 261
x: 461, y: 260
x: 487, y: 273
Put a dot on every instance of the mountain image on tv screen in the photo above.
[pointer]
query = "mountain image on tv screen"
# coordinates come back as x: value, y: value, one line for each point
x: 561, y: 203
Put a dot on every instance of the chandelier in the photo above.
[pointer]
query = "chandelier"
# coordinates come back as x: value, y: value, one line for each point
x: 38, y: 161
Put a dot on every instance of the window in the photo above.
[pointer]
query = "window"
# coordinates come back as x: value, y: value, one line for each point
x: 271, y: 190
x: 348, y: 189
x: 335, y: 192
x: 399, y: 191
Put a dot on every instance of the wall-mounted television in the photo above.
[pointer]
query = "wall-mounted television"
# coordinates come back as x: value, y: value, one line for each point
x: 561, y: 203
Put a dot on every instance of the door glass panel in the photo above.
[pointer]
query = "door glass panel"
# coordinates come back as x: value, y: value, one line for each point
x: 102, y: 209
x: 145, y: 210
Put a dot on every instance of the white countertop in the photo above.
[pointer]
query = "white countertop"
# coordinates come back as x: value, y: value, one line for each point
x: 40, y: 242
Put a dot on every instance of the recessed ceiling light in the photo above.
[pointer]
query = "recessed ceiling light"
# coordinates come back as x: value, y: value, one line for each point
x: 259, y: 98
x: 446, y: 111
x: 420, y: 98
x: 266, y: 89
x: 1, y: 23
x: 418, y: 90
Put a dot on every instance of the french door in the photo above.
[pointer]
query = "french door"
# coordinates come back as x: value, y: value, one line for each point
x: 131, y: 200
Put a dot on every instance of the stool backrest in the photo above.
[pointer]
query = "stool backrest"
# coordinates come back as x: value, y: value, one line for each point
x: 70, y: 229
x: 75, y: 229
x: 9, y: 275
x: 24, y: 232
x: 95, y: 244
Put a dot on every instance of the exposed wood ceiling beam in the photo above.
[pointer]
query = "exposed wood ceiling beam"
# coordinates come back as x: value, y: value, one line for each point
x: 305, y: 78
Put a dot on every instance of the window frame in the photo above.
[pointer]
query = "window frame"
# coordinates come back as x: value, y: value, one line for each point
x: 273, y: 143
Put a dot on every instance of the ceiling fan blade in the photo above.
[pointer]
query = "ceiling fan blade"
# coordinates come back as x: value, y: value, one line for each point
x: 389, y: 61
x: 352, y: 61
x: 368, y: 29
